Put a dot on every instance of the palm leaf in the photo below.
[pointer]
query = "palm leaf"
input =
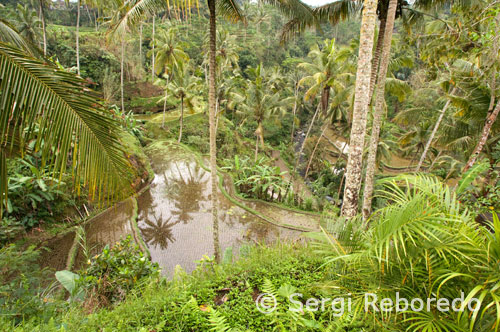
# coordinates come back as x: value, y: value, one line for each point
x: 470, y: 176
x: 55, y: 110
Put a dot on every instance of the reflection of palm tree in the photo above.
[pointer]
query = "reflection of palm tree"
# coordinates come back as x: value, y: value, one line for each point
x: 189, y: 191
x: 158, y: 232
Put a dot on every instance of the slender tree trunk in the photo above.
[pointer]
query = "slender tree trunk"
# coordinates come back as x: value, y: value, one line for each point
x: 122, y: 61
x: 165, y: 105
x: 361, y: 101
x: 376, y: 56
x: 256, y: 146
x: 295, y: 94
x: 153, y: 53
x: 433, y: 133
x: 78, y: 37
x: 491, y: 118
x: 211, y: 116
x: 379, y: 109
x: 95, y: 20
x: 181, y: 119
x: 305, y: 138
x: 44, y: 29
x: 140, y: 44
x: 314, y: 151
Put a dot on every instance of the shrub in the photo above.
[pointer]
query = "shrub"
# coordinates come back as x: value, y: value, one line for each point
x: 21, y: 285
x: 113, y: 273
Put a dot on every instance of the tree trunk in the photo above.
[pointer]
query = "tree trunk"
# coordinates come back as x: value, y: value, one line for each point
x: 122, y: 61
x: 433, y: 133
x: 295, y: 94
x: 165, y: 105
x: 361, y: 101
x: 490, y: 119
x: 325, y: 95
x: 305, y: 138
x: 314, y: 151
x: 379, y: 109
x: 140, y: 44
x: 211, y: 116
x: 153, y: 53
x: 78, y: 38
x: 181, y: 119
x: 44, y: 29
x: 256, y: 147
x: 376, y: 56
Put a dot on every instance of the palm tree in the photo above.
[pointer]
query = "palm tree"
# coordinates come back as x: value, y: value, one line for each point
x: 361, y: 101
x: 55, y: 111
x: 262, y: 103
x: 27, y: 23
x: 434, y: 131
x: 492, y: 111
x: 170, y: 58
x: 184, y: 86
x: 379, y: 108
x: 230, y: 10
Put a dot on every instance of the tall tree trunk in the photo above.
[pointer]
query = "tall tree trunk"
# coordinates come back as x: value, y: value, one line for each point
x: 256, y: 147
x: 314, y: 151
x: 490, y: 119
x: 122, y: 61
x: 211, y: 117
x: 153, y: 53
x: 44, y: 29
x: 295, y: 94
x: 140, y: 44
x: 165, y: 104
x: 376, y: 56
x: 433, y: 133
x: 325, y: 95
x: 78, y: 37
x: 361, y: 101
x: 371, y: 164
x: 181, y: 119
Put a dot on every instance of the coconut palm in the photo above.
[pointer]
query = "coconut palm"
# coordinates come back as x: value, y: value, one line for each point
x: 55, y: 112
x: 184, y: 86
x: 170, y: 58
x: 27, y: 23
x: 262, y: 103
x: 226, y: 8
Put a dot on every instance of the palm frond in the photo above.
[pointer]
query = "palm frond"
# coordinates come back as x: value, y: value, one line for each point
x: 55, y: 110
x: 230, y: 10
x: 133, y: 11
x: 336, y: 11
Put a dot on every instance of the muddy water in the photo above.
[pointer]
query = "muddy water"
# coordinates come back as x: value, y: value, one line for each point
x: 175, y: 221
x: 175, y: 215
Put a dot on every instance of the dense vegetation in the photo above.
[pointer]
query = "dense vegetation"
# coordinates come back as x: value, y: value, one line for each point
x: 378, y: 115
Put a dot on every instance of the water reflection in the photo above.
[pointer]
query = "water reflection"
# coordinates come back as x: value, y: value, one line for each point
x: 175, y: 215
